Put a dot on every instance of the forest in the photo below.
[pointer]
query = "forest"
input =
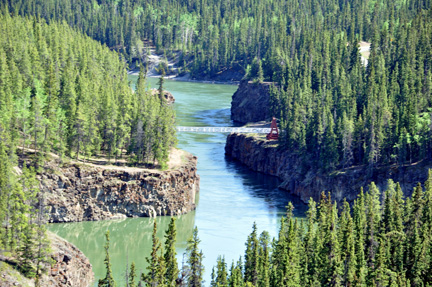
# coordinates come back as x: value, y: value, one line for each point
x: 214, y: 36
x: 338, y: 113
x: 383, y: 239
x: 65, y: 95
x: 64, y: 91
x: 335, y: 112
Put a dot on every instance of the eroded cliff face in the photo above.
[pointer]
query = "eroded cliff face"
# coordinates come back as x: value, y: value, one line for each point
x: 250, y: 103
x: 263, y: 156
x: 70, y: 267
x: 81, y: 192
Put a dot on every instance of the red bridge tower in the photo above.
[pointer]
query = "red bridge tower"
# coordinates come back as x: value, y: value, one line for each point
x: 274, y: 133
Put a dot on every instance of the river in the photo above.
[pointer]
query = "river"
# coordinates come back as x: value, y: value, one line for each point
x: 230, y: 200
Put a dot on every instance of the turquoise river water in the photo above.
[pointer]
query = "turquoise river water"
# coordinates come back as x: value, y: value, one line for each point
x: 230, y: 200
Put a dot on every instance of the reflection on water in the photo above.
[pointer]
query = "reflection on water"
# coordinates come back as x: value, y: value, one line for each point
x: 130, y: 239
x: 231, y: 197
x: 265, y: 188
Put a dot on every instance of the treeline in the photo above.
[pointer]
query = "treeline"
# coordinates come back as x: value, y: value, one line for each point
x: 336, y: 113
x: 23, y: 239
x: 218, y: 35
x: 62, y: 92
x: 384, y: 239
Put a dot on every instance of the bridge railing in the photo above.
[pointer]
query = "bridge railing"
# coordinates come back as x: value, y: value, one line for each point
x: 223, y: 130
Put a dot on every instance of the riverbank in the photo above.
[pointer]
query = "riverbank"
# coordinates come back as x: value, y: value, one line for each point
x: 88, y: 191
x: 264, y: 156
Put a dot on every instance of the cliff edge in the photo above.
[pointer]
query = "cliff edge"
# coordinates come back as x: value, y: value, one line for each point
x: 250, y: 103
x: 77, y: 191
x: 264, y: 156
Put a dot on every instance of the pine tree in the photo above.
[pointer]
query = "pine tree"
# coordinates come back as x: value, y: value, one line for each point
x: 194, y: 261
x: 252, y: 257
x: 108, y: 281
x: 156, y: 265
x: 172, y: 271
x: 132, y: 276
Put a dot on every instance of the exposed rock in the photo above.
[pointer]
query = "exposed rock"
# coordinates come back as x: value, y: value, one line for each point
x: 70, y: 268
x: 81, y: 192
x: 264, y: 156
x: 167, y: 95
x: 250, y: 103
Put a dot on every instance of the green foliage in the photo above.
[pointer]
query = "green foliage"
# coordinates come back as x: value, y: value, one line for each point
x: 172, y: 271
x: 195, y: 268
x: 214, y: 36
x: 337, y: 113
x: 108, y: 281
x: 374, y: 244
x: 156, y: 268
x: 383, y: 240
x: 74, y: 97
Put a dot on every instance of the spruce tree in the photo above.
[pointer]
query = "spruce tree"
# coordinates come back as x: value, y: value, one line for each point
x: 172, y: 271
x: 108, y: 281
x: 194, y: 261
x: 156, y: 265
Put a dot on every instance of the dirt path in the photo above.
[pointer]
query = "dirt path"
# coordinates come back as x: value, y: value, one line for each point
x: 177, y: 157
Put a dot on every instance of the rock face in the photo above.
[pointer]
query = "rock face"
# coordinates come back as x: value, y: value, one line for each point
x: 70, y: 268
x: 80, y: 192
x: 263, y: 156
x: 167, y: 95
x: 250, y: 103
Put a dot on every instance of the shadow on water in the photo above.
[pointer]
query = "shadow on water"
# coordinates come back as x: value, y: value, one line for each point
x: 266, y: 188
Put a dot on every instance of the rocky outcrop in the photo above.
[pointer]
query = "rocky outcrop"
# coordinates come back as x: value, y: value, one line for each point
x: 69, y: 267
x: 82, y: 192
x: 169, y: 98
x: 250, y: 103
x: 263, y: 156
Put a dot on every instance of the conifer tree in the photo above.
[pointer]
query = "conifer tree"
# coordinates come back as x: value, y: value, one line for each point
x: 156, y: 265
x: 194, y: 261
x: 172, y: 271
x: 108, y: 281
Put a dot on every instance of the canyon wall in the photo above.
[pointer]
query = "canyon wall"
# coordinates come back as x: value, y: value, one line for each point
x: 83, y: 192
x: 70, y: 267
x: 264, y: 156
x: 250, y: 103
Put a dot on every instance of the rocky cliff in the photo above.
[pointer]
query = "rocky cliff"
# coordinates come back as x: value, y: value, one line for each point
x: 250, y: 103
x: 85, y: 192
x: 70, y: 268
x: 263, y: 156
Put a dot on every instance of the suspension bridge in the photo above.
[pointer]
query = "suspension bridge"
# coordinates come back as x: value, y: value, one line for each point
x: 224, y: 130
x: 272, y: 132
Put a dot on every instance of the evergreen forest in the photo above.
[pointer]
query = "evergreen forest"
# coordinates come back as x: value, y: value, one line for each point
x: 336, y: 113
x: 214, y: 36
x: 382, y: 239
x: 64, y: 95
x: 64, y: 92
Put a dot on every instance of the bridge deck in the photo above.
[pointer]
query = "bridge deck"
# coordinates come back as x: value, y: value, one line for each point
x: 223, y: 130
